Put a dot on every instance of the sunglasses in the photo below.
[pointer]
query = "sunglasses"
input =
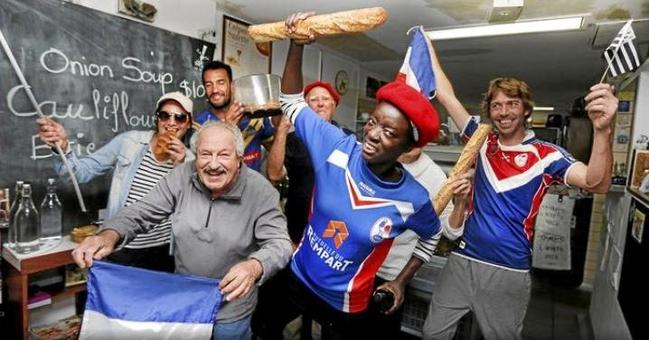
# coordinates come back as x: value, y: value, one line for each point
x: 179, y: 117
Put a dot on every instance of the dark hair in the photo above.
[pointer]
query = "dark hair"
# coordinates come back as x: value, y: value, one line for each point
x: 216, y: 65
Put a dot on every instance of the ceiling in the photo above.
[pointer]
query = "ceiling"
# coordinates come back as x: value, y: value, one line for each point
x: 559, y: 66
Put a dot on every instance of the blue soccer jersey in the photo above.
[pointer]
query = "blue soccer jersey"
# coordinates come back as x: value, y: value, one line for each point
x: 354, y: 214
x: 255, y: 132
x: 510, y: 182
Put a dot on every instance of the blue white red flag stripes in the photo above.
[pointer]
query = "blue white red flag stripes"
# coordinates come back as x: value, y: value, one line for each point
x: 621, y: 55
x: 133, y: 303
x: 417, y: 69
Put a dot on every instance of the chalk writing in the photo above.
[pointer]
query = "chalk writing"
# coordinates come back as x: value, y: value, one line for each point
x: 135, y: 74
x: 55, y: 61
x: 41, y: 150
x: 192, y: 90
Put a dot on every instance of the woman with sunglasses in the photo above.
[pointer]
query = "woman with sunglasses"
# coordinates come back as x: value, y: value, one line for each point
x: 138, y: 159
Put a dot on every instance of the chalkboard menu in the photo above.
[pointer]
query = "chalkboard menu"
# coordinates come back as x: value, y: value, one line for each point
x: 95, y: 73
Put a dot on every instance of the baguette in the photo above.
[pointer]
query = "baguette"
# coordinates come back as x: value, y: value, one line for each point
x: 464, y: 164
x: 358, y: 20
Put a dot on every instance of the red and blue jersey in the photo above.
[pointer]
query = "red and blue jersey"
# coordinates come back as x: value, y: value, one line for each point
x: 354, y: 214
x: 510, y: 182
x: 255, y: 132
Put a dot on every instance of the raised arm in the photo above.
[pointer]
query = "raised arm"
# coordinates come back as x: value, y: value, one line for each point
x: 596, y: 176
x: 292, y: 78
x: 446, y: 94
x: 275, y: 162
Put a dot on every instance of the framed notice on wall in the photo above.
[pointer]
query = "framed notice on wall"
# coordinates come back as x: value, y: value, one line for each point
x: 639, y: 168
x: 240, y: 52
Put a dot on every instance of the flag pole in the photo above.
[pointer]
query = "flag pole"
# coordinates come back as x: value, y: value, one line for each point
x: 32, y: 99
x: 605, y: 72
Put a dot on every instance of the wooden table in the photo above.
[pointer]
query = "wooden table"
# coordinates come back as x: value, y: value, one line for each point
x: 18, y: 267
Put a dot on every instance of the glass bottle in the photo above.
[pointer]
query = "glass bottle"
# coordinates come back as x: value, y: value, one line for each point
x: 11, y: 235
x: 5, y: 207
x: 51, y: 213
x: 27, y: 223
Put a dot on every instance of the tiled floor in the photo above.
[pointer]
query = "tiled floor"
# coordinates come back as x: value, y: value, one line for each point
x: 557, y: 313
x: 554, y: 313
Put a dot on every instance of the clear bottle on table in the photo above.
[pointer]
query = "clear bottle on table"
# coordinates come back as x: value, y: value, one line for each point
x: 28, y: 223
x: 11, y: 235
x: 51, y: 213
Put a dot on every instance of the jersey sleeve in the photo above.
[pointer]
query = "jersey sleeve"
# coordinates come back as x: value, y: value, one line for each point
x: 560, y: 164
x: 319, y: 136
x: 267, y: 132
x: 470, y: 128
x: 424, y: 221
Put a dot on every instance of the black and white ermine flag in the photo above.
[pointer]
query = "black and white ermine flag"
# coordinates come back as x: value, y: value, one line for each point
x: 621, y: 55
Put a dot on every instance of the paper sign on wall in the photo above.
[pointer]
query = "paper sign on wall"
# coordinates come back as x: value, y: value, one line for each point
x: 552, y: 233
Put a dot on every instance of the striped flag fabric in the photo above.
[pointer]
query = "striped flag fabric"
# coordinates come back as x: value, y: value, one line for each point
x: 621, y: 55
x: 417, y: 69
x: 133, y: 303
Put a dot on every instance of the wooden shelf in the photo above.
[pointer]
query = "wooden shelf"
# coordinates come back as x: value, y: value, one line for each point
x: 16, y: 271
x: 68, y: 292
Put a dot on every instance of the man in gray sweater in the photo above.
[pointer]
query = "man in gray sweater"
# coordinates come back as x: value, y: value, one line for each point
x: 226, y: 224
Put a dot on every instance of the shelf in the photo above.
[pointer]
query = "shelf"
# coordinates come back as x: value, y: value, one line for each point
x: 68, y: 292
x: 639, y: 197
x: 18, y: 267
x: 50, y: 256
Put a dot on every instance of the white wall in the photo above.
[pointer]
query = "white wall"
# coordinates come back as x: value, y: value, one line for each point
x: 311, y: 65
x: 641, y: 115
x: 185, y: 17
x: 332, y: 64
x: 606, y: 315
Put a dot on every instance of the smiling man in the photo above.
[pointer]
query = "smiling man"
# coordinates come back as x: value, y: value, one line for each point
x: 226, y: 225
x: 217, y: 80
x: 489, y: 273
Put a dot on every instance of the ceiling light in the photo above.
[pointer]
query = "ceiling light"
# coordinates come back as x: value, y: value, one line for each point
x: 531, y: 26
x: 543, y: 108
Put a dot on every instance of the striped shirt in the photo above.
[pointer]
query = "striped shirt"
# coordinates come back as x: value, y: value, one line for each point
x: 146, y: 177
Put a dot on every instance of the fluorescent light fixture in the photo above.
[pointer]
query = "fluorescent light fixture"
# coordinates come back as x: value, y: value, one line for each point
x: 544, y: 108
x: 531, y: 26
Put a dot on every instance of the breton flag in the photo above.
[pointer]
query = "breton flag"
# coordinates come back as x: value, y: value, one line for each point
x: 621, y: 55
x: 133, y: 303
x: 417, y: 68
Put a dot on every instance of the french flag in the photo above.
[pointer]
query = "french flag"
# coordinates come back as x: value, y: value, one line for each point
x: 133, y: 303
x: 417, y: 69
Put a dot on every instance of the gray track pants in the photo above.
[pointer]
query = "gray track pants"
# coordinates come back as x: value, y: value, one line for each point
x: 498, y: 297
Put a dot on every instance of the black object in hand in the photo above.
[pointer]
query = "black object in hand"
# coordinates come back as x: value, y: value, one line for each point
x: 383, y: 299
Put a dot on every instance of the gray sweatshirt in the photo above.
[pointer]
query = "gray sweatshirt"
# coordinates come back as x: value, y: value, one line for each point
x: 212, y: 235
